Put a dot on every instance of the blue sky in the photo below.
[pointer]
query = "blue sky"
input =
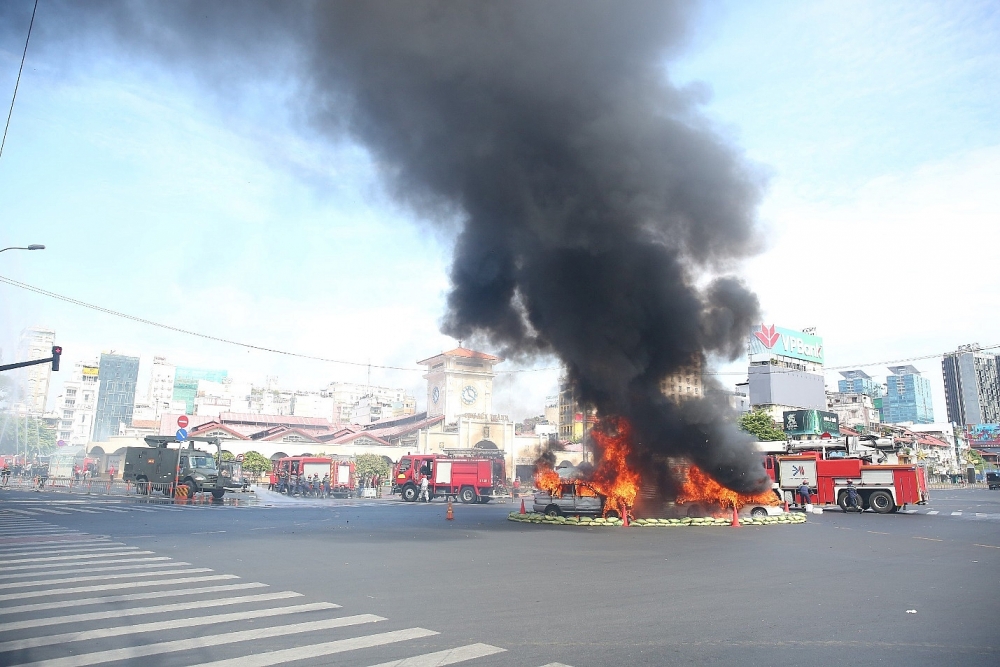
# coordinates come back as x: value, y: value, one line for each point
x: 158, y: 197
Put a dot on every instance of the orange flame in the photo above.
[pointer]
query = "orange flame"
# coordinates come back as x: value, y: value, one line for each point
x: 546, y: 478
x: 614, y: 479
x: 699, y: 487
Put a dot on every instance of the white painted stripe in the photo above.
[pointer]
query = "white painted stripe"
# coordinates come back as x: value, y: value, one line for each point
x: 23, y: 512
x: 111, y: 509
x: 909, y: 511
x: 42, y: 566
x: 106, y: 568
x: 933, y: 512
x: 77, y: 557
x: 20, y: 595
x: 48, y: 511
x: 132, y: 597
x: 555, y: 664
x: 317, y: 650
x: 980, y: 515
x: 54, y: 539
x: 208, y: 641
x: 956, y: 514
x: 155, y: 609
x: 190, y: 622
x: 60, y: 549
x: 80, y: 509
x: 35, y: 531
x: 97, y: 577
x: 447, y: 657
x: 139, y: 509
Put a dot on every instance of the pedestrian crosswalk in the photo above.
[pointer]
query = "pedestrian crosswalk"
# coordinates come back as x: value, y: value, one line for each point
x: 94, y: 601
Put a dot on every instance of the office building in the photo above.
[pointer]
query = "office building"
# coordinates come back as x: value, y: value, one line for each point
x: 186, y: 384
x: 117, y: 375
x: 76, y: 407
x: 786, y: 370
x: 859, y: 382
x: 971, y: 386
x: 35, y: 343
x: 907, y: 397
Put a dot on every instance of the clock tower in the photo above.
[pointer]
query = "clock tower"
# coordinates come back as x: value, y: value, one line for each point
x: 460, y: 382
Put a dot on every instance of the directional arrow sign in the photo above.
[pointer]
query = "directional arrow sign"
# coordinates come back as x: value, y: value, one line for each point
x: 182, y: 435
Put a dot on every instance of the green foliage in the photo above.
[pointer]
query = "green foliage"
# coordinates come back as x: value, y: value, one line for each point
x: 255, y: 462
x: 974, y: 458
x: 760, y: 425
x: 366, y: 465
x: 228, y: 455
x: 18, y: 433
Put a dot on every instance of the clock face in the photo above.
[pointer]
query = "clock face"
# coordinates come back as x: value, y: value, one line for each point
x: 469, y: 394
x: 435, y: 394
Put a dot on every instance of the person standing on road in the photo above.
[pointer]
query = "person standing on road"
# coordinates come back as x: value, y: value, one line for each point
x: 424, y: 490
x: 804, y: 495
x: 5, y: 475
x: 852, y: 497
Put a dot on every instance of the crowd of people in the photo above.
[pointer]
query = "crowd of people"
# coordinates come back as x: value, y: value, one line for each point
x: 317, y: 487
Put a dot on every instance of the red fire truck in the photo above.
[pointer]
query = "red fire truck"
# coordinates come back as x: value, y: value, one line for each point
x: 341, y: 472
x: 882, y: 488
x: 468, y: 475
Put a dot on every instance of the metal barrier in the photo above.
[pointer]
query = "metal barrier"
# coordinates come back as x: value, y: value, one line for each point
x: 947, y: 486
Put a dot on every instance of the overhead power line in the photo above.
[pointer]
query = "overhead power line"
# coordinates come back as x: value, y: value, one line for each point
x: 18, y: 81
x: 362, y: 364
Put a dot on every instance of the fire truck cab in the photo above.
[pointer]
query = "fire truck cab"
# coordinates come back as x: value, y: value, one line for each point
x: 478, y: 477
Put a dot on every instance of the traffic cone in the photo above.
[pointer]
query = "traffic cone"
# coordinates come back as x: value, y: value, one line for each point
x: 522, y: 506
x: 786, y: 506
x: 451, y: 512
x: 736, y: 518
x: 625, y: 520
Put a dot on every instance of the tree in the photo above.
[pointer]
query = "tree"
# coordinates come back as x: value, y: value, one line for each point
x: 366, y: 465
x: 256, y: 463
x: 973, y: 457
x: 227, y: 455
x: 760, y: 425
x: 25, y: 434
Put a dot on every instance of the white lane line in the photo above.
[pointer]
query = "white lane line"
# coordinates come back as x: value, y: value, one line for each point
x: 77, y: 557
x: 205, y: 641
x: 956, y: 514
x: 909, y: 511
x: 98, y: 577
x: 19, y: 568
x: 933, y: 512
x: 5, y: 532
x: 139, y: 509
x: 106, y: 568
x: 80, y: 509
x: 25, y: 512
x: 318, y: 650
x: 131, y: 597
x: 555, y: 664
x: 448, y: 657
x: 189, y: 622
x: 110, y: 587
x: 48, y: 511
x: 61, y: 549
x: 155, y: 609
x: 111, y: 509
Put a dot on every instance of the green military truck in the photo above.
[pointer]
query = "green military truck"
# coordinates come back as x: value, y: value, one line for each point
x: 163, y: 468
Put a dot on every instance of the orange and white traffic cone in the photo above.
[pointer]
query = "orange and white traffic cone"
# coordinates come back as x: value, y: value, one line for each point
x: 522, y: 506
x: 625, y: 520
x: 451, y: 512
x: 736, y: 518
x: 786, y: 506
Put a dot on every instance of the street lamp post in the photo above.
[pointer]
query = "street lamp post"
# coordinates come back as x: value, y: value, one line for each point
x: 33, y: 246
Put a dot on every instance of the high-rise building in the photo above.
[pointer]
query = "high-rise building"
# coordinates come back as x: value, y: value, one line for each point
x: 77, y: 406
x: 859, y: 382
x: 908, y: 397
x: 161, y: 386
x: 186, y: 384
x: 347, y: 396
x: 35, y: 343
x: 972, y: 386
x: 117, y: 377
x: 683, y: 384
x: 786, y: 370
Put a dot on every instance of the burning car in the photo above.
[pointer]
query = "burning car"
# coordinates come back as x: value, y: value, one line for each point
x: 572, y: 496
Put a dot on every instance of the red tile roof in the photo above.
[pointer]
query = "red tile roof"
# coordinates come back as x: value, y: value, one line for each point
x: 396, y: 431
x: 350, y: 437
x: 462, y: 352
x: 145, y: 423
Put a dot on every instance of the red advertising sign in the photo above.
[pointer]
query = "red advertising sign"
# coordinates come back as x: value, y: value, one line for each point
x: 182, y: 421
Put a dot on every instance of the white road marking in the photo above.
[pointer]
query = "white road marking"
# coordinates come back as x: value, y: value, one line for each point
x: 317, y: 650
x: 956, y: 514
x: 156, y: 609
x: 42, y: 566
x: 59, y: 549
x: 20, y: 532
x: 111, y: 509
x: 98, y: 577
x: 555, y: 664
x: 933, y: 512
x: 131, y: 597
x: 140, y: 509
x: 80, y: 509
x: 78, y: 557
x: 189, y: 622
x: 106, y: 568
x: 208, y: 641
x: 23, y: 512
x: 909, y: 511
x: 48, y: 511
x: 110, y: 587
x: 447, y: 657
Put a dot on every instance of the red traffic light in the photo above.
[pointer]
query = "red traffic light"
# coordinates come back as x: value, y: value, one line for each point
x: 56, y: 353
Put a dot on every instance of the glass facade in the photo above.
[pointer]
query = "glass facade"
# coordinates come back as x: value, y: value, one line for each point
x: 908, y: 397
x: 186, y: 384
x: 860, y: 385
x: 116, y: 376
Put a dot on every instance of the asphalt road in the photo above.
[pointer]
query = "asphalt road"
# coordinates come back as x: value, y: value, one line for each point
x: 484, y: 591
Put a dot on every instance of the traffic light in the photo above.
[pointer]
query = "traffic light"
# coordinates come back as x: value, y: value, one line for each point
x: 56, y: 353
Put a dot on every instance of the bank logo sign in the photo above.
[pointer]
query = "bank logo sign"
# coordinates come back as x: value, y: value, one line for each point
x: 783, y: 342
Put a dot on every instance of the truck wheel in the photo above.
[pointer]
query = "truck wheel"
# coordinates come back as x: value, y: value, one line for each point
x: 218, y: 494
x: 192, y: 488
x: 467, y: 495
x: 758, y: 512
x: 409, y: 493
x: 142, y: 485
x: 552, y: 510
x: 881, y: 502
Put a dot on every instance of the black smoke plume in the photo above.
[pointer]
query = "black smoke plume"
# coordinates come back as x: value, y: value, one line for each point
x: 598, y: 207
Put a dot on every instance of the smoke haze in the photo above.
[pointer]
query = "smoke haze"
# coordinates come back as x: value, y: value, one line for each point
x: 598, y: 208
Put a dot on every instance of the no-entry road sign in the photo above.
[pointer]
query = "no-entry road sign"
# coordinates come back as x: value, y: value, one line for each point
x: 182, y: 421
